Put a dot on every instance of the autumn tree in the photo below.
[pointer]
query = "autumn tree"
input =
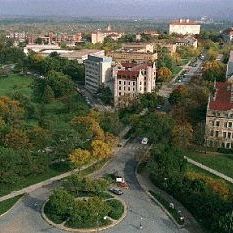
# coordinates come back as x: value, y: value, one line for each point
x: 164, y: 74
x: 100, y: 149
x: 182, y: 134
x: 80, y: 157
x: 10, y: 110
x: 214, y: 71
x: 17, y: 139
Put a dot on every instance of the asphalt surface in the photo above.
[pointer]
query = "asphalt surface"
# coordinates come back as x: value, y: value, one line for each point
x: 25, y: 216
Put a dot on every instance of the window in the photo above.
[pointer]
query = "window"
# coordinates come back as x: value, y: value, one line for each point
x: 228, y: 145
x: 128, y: 88
x: 224, y: 134
x: 120, y: 93
x: 229, y: 135
x: 225, y: 124
x: 119, y: 88
x: 230, y: 124
x: 216, y: 134
x: 211, y: 133
x: 119, y: 82
x: 217, y: 123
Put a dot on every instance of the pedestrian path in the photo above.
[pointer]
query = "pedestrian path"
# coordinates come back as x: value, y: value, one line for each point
x: 190, y: 223
x: 210, y: 170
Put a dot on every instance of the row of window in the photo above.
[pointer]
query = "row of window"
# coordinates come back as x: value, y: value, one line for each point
x: 226, y: 135
x: 217, y: 124
x: 223, y: 144
x: 218, y: 114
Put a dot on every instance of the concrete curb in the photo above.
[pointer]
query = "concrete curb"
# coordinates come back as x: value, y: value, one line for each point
x: 157, y: 202
x: 62, y: 227
x: 12, y: 206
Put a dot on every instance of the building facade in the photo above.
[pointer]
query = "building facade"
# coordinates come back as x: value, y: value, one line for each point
x: 132, y: 79
x: 219, y: 118
x: 187, y: 41
x: 184, y: 27
x: 228, y: 35
x: 229, y: 72
x: 138, y: 47
x: 98, y: 70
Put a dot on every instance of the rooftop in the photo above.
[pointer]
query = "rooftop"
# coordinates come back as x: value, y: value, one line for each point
x: 222, y: 101
x: 184, y: 22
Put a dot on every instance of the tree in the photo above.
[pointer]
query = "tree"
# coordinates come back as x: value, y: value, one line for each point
x: 17, y: 139
x: 164, y: 74
x: 10, y: 110
x: 80, y: 157
x: 61, y: 204
x: 39, y: 137
x: 214, y: 71
x: 178, y: 95
x: 182, y: 134
x: 48, y: 94
x: 226, y: 223
x: 100, y: 149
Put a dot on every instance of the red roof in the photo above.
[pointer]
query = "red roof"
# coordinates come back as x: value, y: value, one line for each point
x: 222, y: 100
x: 135, y: 66
x: 127, y: 74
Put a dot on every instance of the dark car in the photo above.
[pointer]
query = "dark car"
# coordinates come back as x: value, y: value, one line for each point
x: 116, y: 191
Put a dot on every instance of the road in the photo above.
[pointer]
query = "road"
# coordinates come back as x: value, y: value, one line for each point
x: 25, y: 216
x: 191, y: 71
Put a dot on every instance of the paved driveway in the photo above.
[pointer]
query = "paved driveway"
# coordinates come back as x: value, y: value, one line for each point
x: 25, y: 217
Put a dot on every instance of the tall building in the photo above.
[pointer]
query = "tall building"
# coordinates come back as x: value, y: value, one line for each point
x: 184, y: 27
x: 97, y: 72
x: 219, y: 118
x: 132, y: 79
x: 229, y: 72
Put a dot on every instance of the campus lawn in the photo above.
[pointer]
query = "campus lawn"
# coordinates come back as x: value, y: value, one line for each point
x: 15, y: 82
x: 6, y: 205
x: 220, y: 162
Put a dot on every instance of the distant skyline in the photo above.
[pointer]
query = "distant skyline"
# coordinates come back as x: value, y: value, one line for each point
x: 119, y: 8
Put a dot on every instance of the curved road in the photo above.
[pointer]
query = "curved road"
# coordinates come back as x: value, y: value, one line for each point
x: 25, y: 216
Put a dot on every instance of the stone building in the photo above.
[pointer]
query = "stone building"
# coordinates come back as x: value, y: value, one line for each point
x: 132, y: 79
x: 219, y: 118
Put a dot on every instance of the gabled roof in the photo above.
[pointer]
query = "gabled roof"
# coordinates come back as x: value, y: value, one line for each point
x: 222, y: 99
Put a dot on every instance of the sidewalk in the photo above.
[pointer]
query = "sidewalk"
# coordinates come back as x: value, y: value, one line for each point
x: 210, y: 170
x: 190, y: 223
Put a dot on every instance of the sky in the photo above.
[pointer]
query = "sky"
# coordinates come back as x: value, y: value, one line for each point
x: 118, y: 8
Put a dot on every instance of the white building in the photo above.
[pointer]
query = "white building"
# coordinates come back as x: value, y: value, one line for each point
x: 97, y: 72
x: 187, y: 41
x: 184, y: 27
x: 77, y: 55
x: 132, y: 79
x: 38, y: 48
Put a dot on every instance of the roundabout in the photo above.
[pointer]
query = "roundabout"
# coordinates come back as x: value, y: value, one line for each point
x: 87, y: 207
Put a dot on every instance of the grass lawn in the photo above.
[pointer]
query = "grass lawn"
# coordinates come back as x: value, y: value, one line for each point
x: 6, y: 205
x: 220, y: 162
x: 176, y: 70
x: 13, y: 83
x: 33, y: 179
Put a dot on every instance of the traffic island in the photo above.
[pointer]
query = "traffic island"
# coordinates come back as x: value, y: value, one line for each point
x: 91, y: 210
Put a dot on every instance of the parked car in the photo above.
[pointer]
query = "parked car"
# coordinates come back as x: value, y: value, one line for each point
x: 144, y: 141
x: 116, y: 191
